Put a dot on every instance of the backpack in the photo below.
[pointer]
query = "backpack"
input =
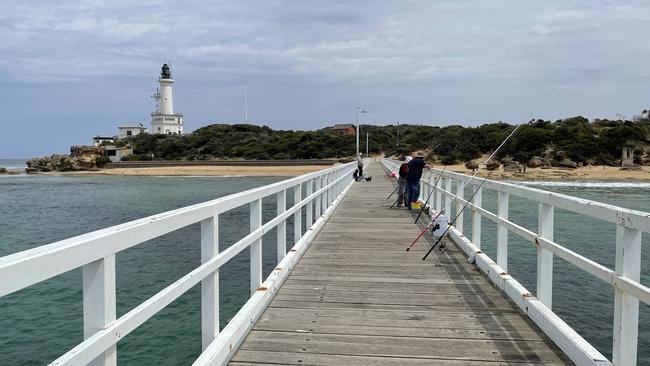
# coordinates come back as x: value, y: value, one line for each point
x: 403, y: 169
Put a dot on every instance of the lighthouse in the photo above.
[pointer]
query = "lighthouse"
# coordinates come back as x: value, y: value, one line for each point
x: 163, y: 119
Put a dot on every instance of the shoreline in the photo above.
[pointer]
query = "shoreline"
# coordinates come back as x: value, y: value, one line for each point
x: 582, y: 174
x: 598, y: 173
x: 208, y: 171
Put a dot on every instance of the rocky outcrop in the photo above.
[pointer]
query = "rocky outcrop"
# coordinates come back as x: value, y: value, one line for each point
x: 535, y: 162
x: 492, y: 164
x: 471, y: 165
x: 510, y: 165
x: 60, y: 163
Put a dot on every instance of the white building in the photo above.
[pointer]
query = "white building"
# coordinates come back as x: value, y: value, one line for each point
x: 130, y: 129
x: 115, y: 154
x: 98, y: 140
x: 164, y: 120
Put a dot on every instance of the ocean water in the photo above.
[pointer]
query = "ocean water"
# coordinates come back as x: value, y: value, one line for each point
x: 44, y: 321
x: 581, y: 300
x: 13, y: 163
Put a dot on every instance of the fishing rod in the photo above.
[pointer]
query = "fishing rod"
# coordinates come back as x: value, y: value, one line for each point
x: 449, y: 225
x: 435, y: 184
x: 456, y: 218
x: 462, y: 188
x: 396, y: 188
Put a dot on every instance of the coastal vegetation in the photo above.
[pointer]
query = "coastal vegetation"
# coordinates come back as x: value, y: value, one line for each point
x: 575, y: 141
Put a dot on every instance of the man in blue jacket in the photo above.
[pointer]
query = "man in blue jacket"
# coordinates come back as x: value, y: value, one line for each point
x: 413, y: 177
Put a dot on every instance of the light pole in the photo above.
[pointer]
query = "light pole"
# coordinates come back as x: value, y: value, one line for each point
x: 366, y: 144
x: 359, y: 110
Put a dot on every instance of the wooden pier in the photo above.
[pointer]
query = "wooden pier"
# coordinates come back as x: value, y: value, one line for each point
x: 358, y: 298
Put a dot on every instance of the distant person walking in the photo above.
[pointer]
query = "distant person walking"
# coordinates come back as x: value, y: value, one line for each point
x: 360, y: 165
x: 402, y: 198
x: 413, y: 176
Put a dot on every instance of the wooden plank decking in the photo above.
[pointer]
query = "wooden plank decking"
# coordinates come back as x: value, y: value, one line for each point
x: 358, y: 298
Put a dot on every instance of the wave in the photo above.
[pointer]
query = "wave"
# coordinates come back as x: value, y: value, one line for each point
x: 584, y: 184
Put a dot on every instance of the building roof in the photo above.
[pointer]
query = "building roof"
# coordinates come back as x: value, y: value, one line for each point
x: 342, y: 126
x: 132, y: 125
x: 104, y: 138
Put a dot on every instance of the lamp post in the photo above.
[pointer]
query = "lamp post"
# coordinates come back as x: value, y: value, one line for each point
x: 359, y: 110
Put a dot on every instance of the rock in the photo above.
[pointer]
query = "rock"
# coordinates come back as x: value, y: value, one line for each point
x: 535, y: 162
x: 492, y: 164
x: 511, y: 165
x: 567, y: 164
x: 60, y: 163
x: 471, y: 165
x: 3, y: 170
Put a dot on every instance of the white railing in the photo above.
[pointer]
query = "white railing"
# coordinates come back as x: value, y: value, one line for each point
x: 624, y: 278
x: 95, y: 254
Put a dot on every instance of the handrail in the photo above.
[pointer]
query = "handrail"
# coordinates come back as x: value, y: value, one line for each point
x: 95, y: 253
x: 625, y: 279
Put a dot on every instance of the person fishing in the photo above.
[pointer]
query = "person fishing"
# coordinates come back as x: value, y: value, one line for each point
x: 402, y: 197
x: 413, y: 176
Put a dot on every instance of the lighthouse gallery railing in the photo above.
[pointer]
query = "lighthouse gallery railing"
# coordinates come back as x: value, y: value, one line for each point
x: 95, y: 254
x: 625, y: 278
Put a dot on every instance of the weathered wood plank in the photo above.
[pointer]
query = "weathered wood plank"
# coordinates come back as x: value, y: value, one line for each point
x: 358, y: 298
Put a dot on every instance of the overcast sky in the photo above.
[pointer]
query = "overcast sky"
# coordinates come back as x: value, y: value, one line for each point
x: 70, y: 70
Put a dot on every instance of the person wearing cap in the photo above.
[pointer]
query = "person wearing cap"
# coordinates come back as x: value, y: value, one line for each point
x: 413, y: 176
x: 402, y: 197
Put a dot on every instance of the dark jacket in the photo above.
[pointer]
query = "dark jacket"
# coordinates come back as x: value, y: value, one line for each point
x: 415, y: 169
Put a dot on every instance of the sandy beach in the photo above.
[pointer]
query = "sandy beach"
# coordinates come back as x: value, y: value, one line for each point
x: 236, y: 171
x: 588, y: 173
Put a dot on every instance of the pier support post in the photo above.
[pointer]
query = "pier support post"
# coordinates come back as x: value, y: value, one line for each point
x: 99, y: 307
x: 210, y: 285
x: 502, y: 232
x: 476, y: 217
x: 546, y: 218
x: 281, y: 206
x: 460, y: 193
x: 297, y: 216
x: 626, y: 307
x: 256, y: 247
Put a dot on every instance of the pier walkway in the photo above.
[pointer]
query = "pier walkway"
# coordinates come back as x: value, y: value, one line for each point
x: 358, y: 298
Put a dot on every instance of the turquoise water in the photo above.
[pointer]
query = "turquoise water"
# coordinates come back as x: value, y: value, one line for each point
x: 581, y: 300
x: 13, y: 163
x: 44, y: 321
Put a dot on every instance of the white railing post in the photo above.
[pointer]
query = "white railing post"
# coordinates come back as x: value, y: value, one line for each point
x: 447, y: 198
x: 210, y: 285
x: 297, y: 216
x: 317, y: 199
x: 430, y: 179
x: 323, y: 197
x: 281, y: 229
x: 502, y: 231
x: 256, y: 246
x: 438, y: 194
x: 546, y: 218
x: 626, y: 307
x: 476, y: 217
x: 424, y: 186
x: 310, y: 206
x: 99, y: 307
x: 460, y: 193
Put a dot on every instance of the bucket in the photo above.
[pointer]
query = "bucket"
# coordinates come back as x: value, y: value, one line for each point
x: 441, y: 220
